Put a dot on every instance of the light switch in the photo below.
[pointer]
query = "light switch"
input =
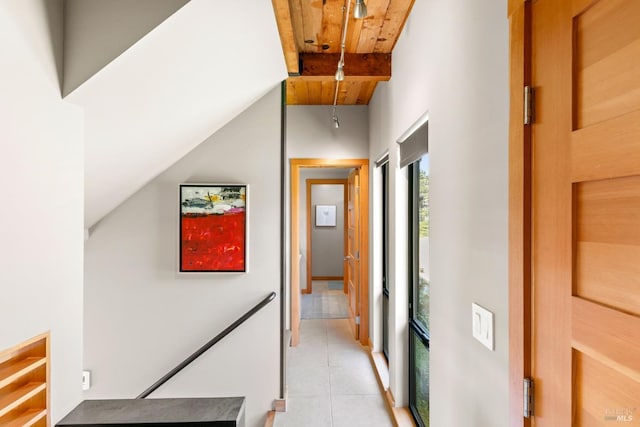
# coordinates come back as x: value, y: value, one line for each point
x: 86, y: 380
x: 482, y: 325
x: 477, y: 324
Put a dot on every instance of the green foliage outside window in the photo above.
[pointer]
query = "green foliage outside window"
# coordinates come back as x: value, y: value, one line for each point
x: 423, y: 203
x: 421, y: 354
x: 421, y: 294
x: 422, y: 311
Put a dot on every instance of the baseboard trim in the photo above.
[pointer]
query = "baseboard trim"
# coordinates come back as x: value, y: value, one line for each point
x: 401, y: 417
x: 381, y: 368
x: 271, y: 419
x: 327, y: 278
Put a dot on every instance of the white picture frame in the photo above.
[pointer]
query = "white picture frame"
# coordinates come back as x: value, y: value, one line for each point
x: 325, y: 215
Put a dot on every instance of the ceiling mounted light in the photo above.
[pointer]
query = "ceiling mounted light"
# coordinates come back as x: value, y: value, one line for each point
x: 340, y: 72
x: 360, y: 10
x: 334, y: 117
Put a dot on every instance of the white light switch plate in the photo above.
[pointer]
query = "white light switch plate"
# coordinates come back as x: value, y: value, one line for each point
x: 482, y: 325
x: 86, y: 380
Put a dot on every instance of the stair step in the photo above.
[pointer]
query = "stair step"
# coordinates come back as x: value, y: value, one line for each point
x: 203, y: 412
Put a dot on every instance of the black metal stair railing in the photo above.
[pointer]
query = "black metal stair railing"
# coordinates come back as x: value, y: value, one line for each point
x: 207, y: 346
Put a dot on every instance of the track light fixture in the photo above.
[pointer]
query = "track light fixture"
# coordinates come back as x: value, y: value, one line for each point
x: 340, y: 72
x: 360, y: 10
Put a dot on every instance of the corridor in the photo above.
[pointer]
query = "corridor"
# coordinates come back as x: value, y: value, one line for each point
x: 330, y: 379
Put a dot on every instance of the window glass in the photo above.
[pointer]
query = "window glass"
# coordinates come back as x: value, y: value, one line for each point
x: 421, y: 383
x: 419, y: 289
x: 385, y: 259
x: 422, y: 289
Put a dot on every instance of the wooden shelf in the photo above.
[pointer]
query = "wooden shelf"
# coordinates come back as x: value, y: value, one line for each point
x: 24, y: 383
x: 17, y: 397
x: 27, y: 418
x: 19, y: 368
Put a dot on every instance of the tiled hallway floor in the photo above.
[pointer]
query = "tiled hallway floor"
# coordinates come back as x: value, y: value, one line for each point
x: 324, y: 303
x: 330, y: 380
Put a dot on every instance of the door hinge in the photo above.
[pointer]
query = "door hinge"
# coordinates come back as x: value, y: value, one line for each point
x: 357, y: 320
x: 529, y: 398
x: 529, y: 105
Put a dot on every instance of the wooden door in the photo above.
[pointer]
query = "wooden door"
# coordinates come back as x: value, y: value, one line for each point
x: 352, y: 271
x: 585, y: 348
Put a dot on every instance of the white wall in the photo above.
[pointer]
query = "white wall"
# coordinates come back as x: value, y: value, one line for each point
x: 41, y: 181
x: 311, y: 134
x: 142, y: 318
x: 452, y: 62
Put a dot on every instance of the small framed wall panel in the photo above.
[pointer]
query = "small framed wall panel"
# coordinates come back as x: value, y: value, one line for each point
x: 325, y: 215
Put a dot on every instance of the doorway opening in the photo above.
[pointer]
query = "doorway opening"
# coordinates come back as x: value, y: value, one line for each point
x: 323, y: 282
x: 356, y: 265
x: 326, y: 230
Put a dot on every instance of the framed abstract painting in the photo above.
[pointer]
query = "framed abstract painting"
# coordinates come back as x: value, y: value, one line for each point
x: 213, y: 228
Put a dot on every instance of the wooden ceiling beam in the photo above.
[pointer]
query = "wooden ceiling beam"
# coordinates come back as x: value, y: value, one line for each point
x: 364, y: 67
x: 287, y: 37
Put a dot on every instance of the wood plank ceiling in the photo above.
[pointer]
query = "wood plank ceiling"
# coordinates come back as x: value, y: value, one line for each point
x: 311, y: 32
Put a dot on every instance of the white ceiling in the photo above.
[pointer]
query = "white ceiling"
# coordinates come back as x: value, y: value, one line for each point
x: 172, y: 89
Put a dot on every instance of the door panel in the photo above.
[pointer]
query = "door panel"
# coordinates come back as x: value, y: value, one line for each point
x: 607, y: 56
x: 586, y: 218
x: 599, y: 391
x: 612, y: 146
x: 353, y: 250
x: 607, y: 237
x: 607, y: 335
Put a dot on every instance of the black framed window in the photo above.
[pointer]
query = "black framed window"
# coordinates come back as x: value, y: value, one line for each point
x: 419, y: 289
x: 385, y: 259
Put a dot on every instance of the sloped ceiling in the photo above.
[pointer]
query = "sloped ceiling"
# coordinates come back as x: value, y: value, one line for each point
x: 170, y: 90
x: 97, y: 31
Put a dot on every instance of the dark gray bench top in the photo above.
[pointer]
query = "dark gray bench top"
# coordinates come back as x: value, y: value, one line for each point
x: 218, y: 412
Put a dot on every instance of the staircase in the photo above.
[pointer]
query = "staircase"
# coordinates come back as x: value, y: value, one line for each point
x: 203, y: 412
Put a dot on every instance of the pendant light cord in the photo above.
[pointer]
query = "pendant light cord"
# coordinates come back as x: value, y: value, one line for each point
x: 345, y: 23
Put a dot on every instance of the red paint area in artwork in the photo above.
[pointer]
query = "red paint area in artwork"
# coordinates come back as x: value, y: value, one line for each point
x: 213, y: 242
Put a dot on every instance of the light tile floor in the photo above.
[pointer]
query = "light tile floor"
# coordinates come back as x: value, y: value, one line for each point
x: 324, y: 303
x: 330, y: 379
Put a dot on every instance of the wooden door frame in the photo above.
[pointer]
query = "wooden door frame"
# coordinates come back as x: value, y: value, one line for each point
x: 519, y: 12
x: 296, y: 165
x: 310, y: 183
